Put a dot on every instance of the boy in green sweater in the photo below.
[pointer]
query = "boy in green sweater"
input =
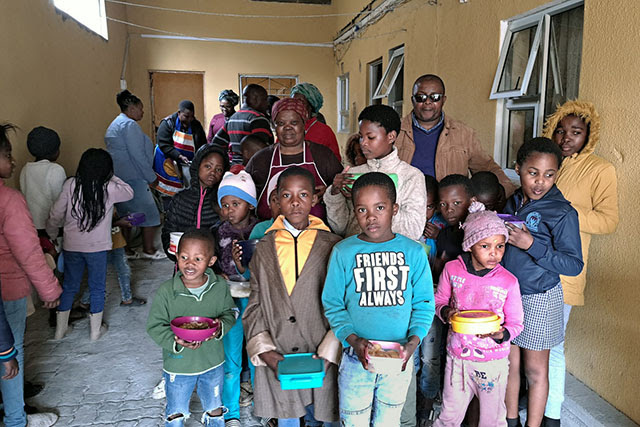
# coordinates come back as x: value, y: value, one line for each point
x: 194, y: 291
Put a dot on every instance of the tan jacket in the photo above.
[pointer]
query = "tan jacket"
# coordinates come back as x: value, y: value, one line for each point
x: 589, y: 182
x: 459, y: 151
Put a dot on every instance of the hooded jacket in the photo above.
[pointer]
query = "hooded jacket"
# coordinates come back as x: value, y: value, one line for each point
x: 589, y: 182
x: 193, y: 207
x: 556, y: 248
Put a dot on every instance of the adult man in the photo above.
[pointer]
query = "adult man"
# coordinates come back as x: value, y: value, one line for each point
x: 249, y: 120
x: 439, y: 145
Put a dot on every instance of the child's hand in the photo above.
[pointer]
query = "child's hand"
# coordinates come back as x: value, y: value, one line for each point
x: 51, y: 304
x: 431, y: 231
x: 519, y: 237
x: 271, y: 358
x: 408, y: 349
x: 341, y: 182
x: 236, y: 252
x: 10, y: 369
x: 361, y: 348
x: 193, y: 345
x: 448, y: 314
x: 497, y: 336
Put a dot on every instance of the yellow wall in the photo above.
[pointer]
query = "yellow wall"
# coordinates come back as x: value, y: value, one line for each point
x: 57, y: 74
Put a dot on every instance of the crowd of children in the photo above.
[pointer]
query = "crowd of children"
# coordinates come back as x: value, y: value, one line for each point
x: 399, y: 259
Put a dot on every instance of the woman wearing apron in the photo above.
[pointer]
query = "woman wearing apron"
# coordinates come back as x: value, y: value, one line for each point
x: 289, y: 116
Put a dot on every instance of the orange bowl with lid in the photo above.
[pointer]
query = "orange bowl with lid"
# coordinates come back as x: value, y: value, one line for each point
x: 474, y: 322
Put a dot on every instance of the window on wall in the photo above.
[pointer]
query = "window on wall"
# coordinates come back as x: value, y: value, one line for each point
x: 343, y: 103
x: 374, y: 77
x: 539, y: 68
x: 279, y: 86
x: 90, y: 13
x: 391, y: 84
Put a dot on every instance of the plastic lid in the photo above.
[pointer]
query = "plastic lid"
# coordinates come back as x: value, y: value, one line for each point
x: 475, y: 316
x: 302, y: 363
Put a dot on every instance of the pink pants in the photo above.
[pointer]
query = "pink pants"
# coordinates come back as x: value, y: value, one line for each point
x: 465, y: 378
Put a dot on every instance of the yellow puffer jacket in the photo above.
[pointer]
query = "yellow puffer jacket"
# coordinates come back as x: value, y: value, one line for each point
x: 589, y: 182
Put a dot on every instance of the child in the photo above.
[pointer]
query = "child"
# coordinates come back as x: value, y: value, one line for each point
x: 489, y: 191
x: 379, y: 127
x: 478, y: 364
x: 194, y: 291
x: 378, y: 287
x: 284, y: 314
x: 22, y: 264
x: 237, y: 198
x: 545, y: 247
x: 589, y: 182
x: 85, y: 208
x: 41, y: 181
x: 435, y: 221
x: 354, y: 152
x: 249, y: 146
x: 196, y: 206
x: 456, y: 195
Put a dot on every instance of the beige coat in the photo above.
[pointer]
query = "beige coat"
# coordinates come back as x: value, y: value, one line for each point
x: 589, y: 182
x: 275, y: 320
x: 459, y: 151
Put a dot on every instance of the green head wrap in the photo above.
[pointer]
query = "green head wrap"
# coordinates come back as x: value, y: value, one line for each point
x: 312, y: 94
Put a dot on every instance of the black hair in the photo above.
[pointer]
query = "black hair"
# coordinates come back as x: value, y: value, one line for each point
x: 384, y: 115
x: 186, y: 105
x: 90, y: 193
x: 457, y: 179
x: 538, y: 145
x: 353, y: 144
x: 252, y: 141
x: 271, y: 100
x: 377, y: 179
x: 296, y: 171
x: 5, y: 128
x: 487, y: 183
x: 429, y: 78
x: 43, y: 143
x: 230, y: 96
x: 202, y: 234
x: 432, y: 186
x: 125, y: 99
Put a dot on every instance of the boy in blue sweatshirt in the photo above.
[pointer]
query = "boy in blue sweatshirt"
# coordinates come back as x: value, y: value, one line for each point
x: 378, y: 287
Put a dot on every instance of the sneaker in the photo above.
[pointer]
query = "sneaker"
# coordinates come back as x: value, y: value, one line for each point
x: 246, y: 394
x: 233, y: 422
x: 158, y: 391
x: 44, y: 419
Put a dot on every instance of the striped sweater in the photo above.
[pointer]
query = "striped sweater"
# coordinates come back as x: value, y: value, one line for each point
x: 245, y: 121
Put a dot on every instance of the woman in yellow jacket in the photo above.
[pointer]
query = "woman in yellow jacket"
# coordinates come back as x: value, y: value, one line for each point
x: 589, y: 183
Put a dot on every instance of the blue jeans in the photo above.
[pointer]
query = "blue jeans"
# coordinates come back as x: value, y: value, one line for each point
x: 13, y: 389
x: 118, y: 259
x: 179, y: 389
x: 233, y: 348
x: 370, y: 399
x: 431, y: 357
x: 557, y: 370
x: 74, y: 265
x: 309, y: 420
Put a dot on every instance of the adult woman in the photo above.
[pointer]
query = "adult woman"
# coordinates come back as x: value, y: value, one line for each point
x: 315, y: 129
x: 290, y: 115
x: 132, y: 154
x: 228, y: 101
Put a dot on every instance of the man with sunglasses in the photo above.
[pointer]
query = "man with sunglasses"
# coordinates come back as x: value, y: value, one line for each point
x: 439, y: 145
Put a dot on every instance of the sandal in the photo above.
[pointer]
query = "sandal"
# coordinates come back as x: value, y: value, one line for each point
x: 154, y: 256
x: 135, y: 302
x: 133, y: 255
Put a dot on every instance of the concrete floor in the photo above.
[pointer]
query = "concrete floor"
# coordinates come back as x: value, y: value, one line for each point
x: 109, y: 382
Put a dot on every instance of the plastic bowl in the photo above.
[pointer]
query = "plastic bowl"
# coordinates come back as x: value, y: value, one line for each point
x: 386, y: 365
x: 248, y: 246
x: 511, y: 219
x: 136, y: 218
x: 300, y: 371
x: 193, y: 335
x: 474, y: 322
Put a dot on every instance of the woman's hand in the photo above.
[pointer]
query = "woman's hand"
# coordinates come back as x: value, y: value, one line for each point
x: 341, y: 183
x: 236, y: 253
x: 10, y: 369
x: 431, y: 231
x: 271, y: 358
x: 519, y: 237
x: 361, y: 348
x: 409, y: 348
x: 183, y: 159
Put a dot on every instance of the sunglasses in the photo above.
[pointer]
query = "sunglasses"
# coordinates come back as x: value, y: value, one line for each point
x: 434, y: 97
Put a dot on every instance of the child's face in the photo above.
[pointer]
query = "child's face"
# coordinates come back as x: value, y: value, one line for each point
x: 374, y: 211
x: 359, y: 158
x: 375, y: 142
x: 570, y: 135
x: 537, y: 175
x: 235, y: 210
x: 432, y: 203
x: 454, y: 203
x: 211, y: 170
x: 7, y: 163
x: 488, y: 252
x: 296, y: 197
x: 274, y: 204
x: 194, y: 256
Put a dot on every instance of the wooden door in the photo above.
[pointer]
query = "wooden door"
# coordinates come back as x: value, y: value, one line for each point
x: 168, y: 88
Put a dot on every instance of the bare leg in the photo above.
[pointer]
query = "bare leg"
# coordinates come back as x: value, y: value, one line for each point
x: 536, y: 368
x: 513, y: 383
x: 148, y: 237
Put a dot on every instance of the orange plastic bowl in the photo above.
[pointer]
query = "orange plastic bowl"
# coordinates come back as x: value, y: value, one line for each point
x: 474, y: 322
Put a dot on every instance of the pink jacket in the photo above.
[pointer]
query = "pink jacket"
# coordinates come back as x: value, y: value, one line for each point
x: 498, y: 291
x: 21, y: 258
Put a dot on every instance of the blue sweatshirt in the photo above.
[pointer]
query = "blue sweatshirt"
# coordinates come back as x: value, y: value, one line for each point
x: 556, y: 247
x: 379, y: 291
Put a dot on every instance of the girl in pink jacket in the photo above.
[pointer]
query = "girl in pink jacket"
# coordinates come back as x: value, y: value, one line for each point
x: 478, y: 364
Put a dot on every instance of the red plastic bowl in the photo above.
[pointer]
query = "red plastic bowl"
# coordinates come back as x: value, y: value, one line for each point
x: 193, y: 335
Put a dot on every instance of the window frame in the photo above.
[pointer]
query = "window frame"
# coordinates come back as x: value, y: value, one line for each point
x: 372, y: 86
x: 399, y: 51
x: 343, y: 113
x: 263, y: 76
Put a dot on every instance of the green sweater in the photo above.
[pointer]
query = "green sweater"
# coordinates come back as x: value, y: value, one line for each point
x: 173, y: 300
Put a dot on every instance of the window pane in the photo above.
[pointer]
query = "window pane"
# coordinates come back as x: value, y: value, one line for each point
x: 565, y: 55
x: 387, y: 82
x: 395, y: 95
x: 375, y: 75
x: 517, y: 58
x: 521, y: 123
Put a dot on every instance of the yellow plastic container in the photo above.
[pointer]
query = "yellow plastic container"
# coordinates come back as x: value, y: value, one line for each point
x: 474, y: 322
